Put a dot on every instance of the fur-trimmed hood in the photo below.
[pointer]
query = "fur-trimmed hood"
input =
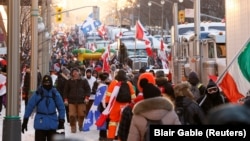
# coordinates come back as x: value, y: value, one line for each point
x: 157, y: 108
x: 153, y: 106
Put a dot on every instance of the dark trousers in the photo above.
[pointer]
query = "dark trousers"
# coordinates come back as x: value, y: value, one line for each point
x: 1, y: 103
x: 103, y: 133
x: 44, y: 135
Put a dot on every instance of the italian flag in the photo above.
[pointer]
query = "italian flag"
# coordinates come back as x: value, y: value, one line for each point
x: 236, y: 81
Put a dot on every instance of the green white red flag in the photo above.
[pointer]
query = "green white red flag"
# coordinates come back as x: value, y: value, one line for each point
x: 235, y: 83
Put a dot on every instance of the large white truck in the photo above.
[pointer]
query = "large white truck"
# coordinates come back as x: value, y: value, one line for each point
x: 209, y: 59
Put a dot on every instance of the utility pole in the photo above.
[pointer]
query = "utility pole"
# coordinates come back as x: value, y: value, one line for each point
x: 12, y: 123
x: 34, y: 45
x: 197, y: 34
x: 48, y: 43
x: 174, y: 53
x: 42, y: 45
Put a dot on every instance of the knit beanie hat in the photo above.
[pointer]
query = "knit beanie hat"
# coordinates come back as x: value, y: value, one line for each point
x: 211, y: 84
x: 193, y: 78
x: 47, y: 82
x: 147, y: 75
x: 149, y: 90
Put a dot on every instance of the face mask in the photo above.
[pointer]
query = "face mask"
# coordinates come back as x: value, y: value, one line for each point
x: 47, y: 87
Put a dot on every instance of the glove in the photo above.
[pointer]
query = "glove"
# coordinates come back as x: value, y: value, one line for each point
x: 86, y: 100
x: 66, y: 102
x: 61, y: 124
x: 24, y: 125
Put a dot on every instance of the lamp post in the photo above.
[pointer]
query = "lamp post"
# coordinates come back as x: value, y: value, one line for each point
x: 160, y: 5
x: 139, y: 10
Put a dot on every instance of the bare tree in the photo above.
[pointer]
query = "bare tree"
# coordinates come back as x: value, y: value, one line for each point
x: 25, y: 33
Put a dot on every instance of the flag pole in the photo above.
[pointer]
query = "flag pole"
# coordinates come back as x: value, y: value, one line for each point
x: 235, y: 57
x: 135, y: 45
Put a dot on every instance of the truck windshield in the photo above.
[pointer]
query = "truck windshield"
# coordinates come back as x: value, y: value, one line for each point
x: 141, y: 52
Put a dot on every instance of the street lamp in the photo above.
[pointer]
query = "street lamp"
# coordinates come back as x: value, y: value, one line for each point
x: 139, y: 9
x: 160, y: 5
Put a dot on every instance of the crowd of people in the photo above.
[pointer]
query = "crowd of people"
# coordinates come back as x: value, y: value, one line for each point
x: 123, y: 114
x: 80, y: 90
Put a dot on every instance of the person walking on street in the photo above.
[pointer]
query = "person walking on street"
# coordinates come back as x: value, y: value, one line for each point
x: 26, y: 83
x: 50, y: 111
x: 76, y: 96
x: 118, y: 105
x: 63, y: 76
x: 91, y: 80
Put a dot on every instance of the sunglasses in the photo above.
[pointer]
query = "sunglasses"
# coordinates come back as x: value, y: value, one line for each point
x: 212, y: 90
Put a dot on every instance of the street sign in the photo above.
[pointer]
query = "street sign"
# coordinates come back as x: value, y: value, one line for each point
x: 189, y: 13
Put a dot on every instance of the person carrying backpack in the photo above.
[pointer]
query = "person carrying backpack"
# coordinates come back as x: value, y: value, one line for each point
x: 50, y: 111
x: 154, y: 107
x: 125, y: 94
x: 197, y: 88
x: 187, y: 109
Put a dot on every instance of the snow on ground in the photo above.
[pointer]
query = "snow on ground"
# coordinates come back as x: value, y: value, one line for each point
x: 91, y: 135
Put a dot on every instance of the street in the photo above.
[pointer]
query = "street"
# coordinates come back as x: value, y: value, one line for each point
x: 91, y: 135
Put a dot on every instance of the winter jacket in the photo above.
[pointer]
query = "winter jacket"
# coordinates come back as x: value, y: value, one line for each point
x: 126, y: 118
x: 158, y: 108
x: 49, y: 109
x: 60, y: 83
x: 209, y: 101
x: 76, y: 91
x: 193, y: 113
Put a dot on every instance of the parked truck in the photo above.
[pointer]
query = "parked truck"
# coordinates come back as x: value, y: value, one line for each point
x: 208, y: 59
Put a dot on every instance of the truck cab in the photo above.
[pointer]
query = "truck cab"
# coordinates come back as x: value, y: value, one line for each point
x: 209, y: 59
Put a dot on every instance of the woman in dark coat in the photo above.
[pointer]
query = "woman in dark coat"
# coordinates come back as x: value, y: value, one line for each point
x: 186, y: 107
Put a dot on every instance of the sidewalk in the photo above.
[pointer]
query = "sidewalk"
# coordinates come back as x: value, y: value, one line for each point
x: 91, y: 135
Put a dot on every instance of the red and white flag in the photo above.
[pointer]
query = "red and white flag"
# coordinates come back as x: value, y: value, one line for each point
x: 118, y: 35
x: 102, y: 31
x: 105, y: 59
x: 140, y: 35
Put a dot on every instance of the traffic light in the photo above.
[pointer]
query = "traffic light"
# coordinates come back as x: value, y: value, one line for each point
x: 59, y: 14
x: 181, y: 16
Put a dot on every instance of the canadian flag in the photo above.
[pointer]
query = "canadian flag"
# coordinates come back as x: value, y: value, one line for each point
x: 140, y: 35
x: 105, y: 59
x: 118, y: 35
x: 102, y: 31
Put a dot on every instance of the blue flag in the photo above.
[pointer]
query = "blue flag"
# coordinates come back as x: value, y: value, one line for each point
x: 90, y: 24
x: 86, y: 29
x: 93, y: 113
